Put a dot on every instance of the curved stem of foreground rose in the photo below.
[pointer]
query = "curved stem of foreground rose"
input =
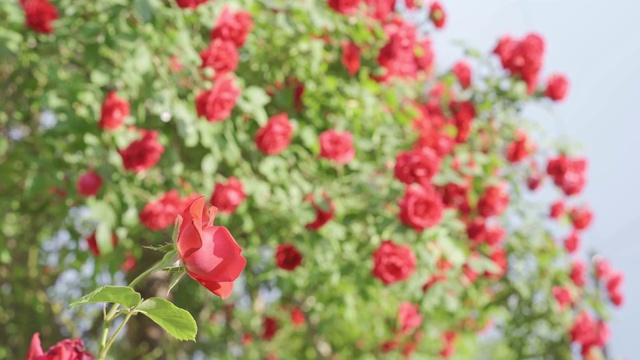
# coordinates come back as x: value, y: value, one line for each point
x: 103, y: 353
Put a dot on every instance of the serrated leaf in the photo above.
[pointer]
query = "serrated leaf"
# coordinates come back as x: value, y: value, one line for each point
x: 177, y: 322
x: 122, y: 295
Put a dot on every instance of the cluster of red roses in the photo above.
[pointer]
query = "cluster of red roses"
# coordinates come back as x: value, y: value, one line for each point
x: 39, y: 15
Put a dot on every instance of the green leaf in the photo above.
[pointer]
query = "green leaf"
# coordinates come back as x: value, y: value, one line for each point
x: 177, y: 322
x: 122, y: 295
x: 175, y: 279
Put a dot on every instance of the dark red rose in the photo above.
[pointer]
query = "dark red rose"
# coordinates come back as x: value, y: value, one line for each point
x: 297, y: 316
x: 324, y: 213
x: 557, y: 210
x: 337, y: 146
x: 557, y: 87
x: 275, y: 136
x: 494, y: 201
x: 455, y: 196
x: 581, y: 217
x: 421, y: 207
x: 216, y: 104
x: 227, y: 197
x: 572, y: 242
x: 417, y: 166
x: 409, y: 317
x: 389, y: 346
x: 89, y: 183
x: 437, y: 15
x: 209, y: 253
x: 519, y: 148
x: 93, y: 243
x: 190, y: 4
x: 142, y: 154
x: 233, y: 26
x: 578, y: 273
x: 568, y: 174
x: 462, y: 71
x: 39, y: 15
x: 63, y: 350
x: 522, y: 58
x: 160, y: 214
x: 393, y: 263
x: 114, y: 111
x: 351, y: 57
x: 221, y: 55
x: 344, y: 6
x: 270, y: 328
x: 288, y: 257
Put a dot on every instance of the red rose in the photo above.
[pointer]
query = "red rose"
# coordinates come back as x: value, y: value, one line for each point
x: 389, y: 346
x: 216, y: 104
x: 421, y: 207
x: 557, y: 210
x: 572, y: 242
x: 227, y: 197
x: 190, y: 4
x: 89, y: 183
x: 578, y: 274
x: 494, y: 201
x: 39, y: 15
x: 129, y: 263
x: 463, y: 113
x: 417, y: 166
x: 409, y: 317
x: 455, y: 196
x: 425, y: 55
x: 568, y: 174
x: 581, y: 217
x: 614, y: 283
x: 297, y: 316
x: 462, y: 71
x: 603, y: 269
x: 337, y: 146
x: 398, y: 55
x: 344, y: 6
x: 161, y: 213
x: 499, y: 258
x: 504, y: 49
x: 437, y: 15
x: 275, y: 136
x: 233, y: 26
x: 93, y: 243
x: 393, y: 263
x: 324, y: 213
x: 63, y: 350
x: 522, y: 58
x: 535, y: 177
x: 142, y: 154
x: 288, y: 257
x: 449, y: 347
x: 270, y: 328
x: 380, y: 9
x: 114, y: 112
x: 563, y: 296
x: 351, y: 57
x: 557, y: 87
x: 221, y: 55
x: 583, y: 328
x: 209, y: 253
x: 520, y: 148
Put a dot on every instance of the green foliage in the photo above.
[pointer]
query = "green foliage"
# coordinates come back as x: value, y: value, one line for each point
x: 177, y: 322
x: 122, y: 295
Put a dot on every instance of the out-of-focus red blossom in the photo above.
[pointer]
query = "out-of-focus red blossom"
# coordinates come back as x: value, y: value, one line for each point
x: 409, y: 317
x: 297, y: 316
x: 393, y: 262
x: 233, y: 26
x: 275, y: 136
x: 64, y: 350
x: 557, y: 87
x: 449, y: 337
x: 437, y: 15
x: 421, y: 207
x: 142, y: 154
x: 520, y: 147
x: 209, y: 253
x: 93, y: 243
x: 89, y: 183
x: 190, y: 4
x: 433, y: 280
x: 288, y: 257
x: 39, y: 15
x: 175, y: 65
x: 568, y: 174
x: 272, y: 356
x: 614, y: 284
x: 337, y: 146
x: 424, y: 55
x: 603, y: 269
x: 469, y: 273
x: 455, y: 196
x: 324, y: 213
x: 380, y: 9
x: 588, y: 332
x: 578, y: 273
x: 398, y: 55
x: 557, y: 210
x: 410, y: 4
x: 499, y: 258
x: 246, y: 339
x: 522, y: 58
x: 463, y: 114
x: 129, y: 263
x: 389, y: 345
x: 563, y: 296
x: 536, y: 177
x: 217, y: 103
x: 494, y: 201
x: 494, y: 235
x: 228, y: 196
x: 269, y: 328
x: 581, y: 217
x: 351, y: 57
x: 160, y: 214
x: 346, y: 7
x: 572, y: 242
x: 462, y: 71
x: 221, y: 55
x: 417, y: 166
x: 114, y: 111
x: 298, y: 92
